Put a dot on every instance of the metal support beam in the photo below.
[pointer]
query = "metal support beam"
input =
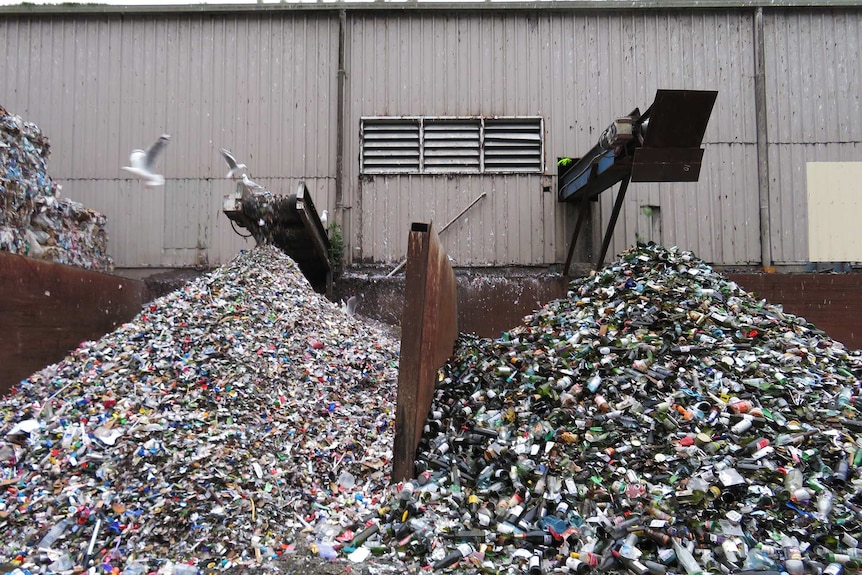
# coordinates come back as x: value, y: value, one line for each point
x: 429, y: 327
x: 443, y: 229
x: 582, y: 211
x: 761, y: 122
x: 618, y: 206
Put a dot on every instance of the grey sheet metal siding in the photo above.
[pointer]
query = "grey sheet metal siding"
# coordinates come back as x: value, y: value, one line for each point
x: 261, y: 85
x: 476, y: 239
x: 578, y: 70
x: 814, y: 82
x: 264, y: 84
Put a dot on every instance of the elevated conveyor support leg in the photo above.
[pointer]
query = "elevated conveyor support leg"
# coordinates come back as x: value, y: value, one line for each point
x: 618, y: 205
x: 582, y: 211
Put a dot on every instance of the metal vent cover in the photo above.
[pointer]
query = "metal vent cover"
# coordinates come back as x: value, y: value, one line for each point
x: 451, y: 145
x: 513, y: 145
x: 390, y: 146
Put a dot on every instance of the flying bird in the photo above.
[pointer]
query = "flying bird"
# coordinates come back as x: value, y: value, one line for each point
x: 350, y: 307
x: 235, y: 169
x: 142, y: 163
x: 324, y: 217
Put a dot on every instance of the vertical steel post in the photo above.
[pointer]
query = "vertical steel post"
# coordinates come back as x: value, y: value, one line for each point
x: 761, y: 122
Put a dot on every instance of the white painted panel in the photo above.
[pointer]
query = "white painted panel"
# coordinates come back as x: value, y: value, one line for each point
x: 834, y: 211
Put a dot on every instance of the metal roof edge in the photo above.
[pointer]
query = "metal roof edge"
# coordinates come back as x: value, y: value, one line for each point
x: 413, y: 5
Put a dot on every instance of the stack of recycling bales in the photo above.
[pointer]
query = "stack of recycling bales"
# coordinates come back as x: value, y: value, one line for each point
x: 34, y: 220
x: 657, y: 419
x: 227, y: 418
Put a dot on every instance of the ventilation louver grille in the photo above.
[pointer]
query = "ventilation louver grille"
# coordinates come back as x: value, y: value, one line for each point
x: 474, y: 145
x: 513, y: 145
x: 451, y: 146
x: 390, y: 146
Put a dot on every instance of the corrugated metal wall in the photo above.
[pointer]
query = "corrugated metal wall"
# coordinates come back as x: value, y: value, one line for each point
x: 578, y: 71
x: 265, y: 85
x: 512, y: 224
x: 261, y: 85
x: 814, y: 82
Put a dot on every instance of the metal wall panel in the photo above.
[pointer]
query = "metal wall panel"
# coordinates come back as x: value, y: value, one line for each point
x: 261, y: 85
x: 180, y: 224
x: 814, y: 82
x: 476, y: 239
x: 578, y: 70
x: 789, y: 207
x: 265, y: 85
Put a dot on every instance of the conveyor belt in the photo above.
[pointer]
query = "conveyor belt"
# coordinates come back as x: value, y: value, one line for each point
x: 291, y: 223
x: 660, y: 145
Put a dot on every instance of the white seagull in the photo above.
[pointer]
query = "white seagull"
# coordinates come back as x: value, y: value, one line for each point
x: 249, y: 185
x: 350, y: 307
x: 235, y: 168
x: 324, y: 217
x: 142, y: 163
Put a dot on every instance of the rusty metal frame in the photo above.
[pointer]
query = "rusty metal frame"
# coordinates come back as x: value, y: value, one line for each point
x: 429, y: 327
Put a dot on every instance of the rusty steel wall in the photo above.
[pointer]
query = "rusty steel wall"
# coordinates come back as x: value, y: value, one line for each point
x: 832, y: 302
x: 429, y: 327
x: 47, y: 310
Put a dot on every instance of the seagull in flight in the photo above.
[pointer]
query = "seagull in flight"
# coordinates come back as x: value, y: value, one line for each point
x: 350, y: 307
x: 142, y: 163
x: 235, y: 168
